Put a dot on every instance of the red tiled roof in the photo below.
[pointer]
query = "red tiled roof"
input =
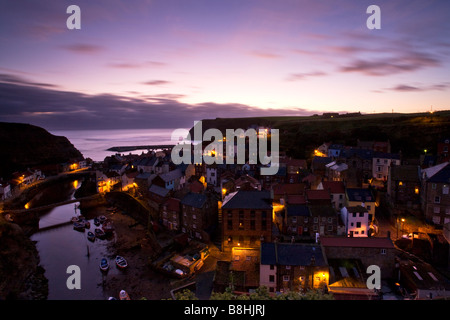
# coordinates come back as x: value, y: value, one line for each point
x: 359, y: 242
x: 334, y: 186
x: 296, y: 199
x: 318, y: 194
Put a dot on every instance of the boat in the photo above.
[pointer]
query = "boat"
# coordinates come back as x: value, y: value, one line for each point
x: 75, y: 219
x: 102, y: 219
x: 96, y: 221
x: 121, y: 262
x: 108, y: 227
x: 123, y: 295
x: 99, y: 233
x: 91, y: 236
x: 79, y: 226
x: 104, y: 265
x: 87, y: 224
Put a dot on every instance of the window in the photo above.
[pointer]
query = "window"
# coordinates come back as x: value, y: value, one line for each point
x: 437, y: 199
x: 288, y: 267
x: 272, y: 267
x: 330, y: 227
x: 316, y: 219
x: 433, y: 186
x: 252, y: 225
x: 230, y: 224
x: 361, y: 214
x: 271, y: 278
x: 358, y: 224
x: 445, y: 189
x: 286, y: 278
x: 248, y: 258
x: 306, y: 220
x: 437, y: 209
x: 330, y: 220
x: 294, y: 219
x: 383, y: 251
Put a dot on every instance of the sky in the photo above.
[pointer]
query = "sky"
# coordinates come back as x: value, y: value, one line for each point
x: 167, y: 63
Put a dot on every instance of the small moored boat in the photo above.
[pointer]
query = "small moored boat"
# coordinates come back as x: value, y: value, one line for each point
x: 108, y: 226
x: 79, y: 226
x: 99, y: 233
x: 121, y: 262
x: 87, y: 224
x: 102, y: 219
x: 123, y: 295
x: 91, y: 236
x: 96, y: 221
x: 104, y: 265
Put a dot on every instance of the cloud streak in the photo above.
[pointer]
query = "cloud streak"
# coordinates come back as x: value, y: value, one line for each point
x: 21, y: 101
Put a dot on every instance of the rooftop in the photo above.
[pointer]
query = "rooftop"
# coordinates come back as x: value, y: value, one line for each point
x: 358, y: 242
x: 248, y: 200
x: 291, y: 254
x: 360, y: 195
x: 196, y: 200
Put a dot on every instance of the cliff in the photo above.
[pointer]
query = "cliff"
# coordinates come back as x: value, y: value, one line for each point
x: 299, y: 136
x: 21, y: 277
x: 25, y: 146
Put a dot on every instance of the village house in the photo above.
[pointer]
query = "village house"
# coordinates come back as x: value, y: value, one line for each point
x: 361, y: 197
x: 144, y: 181
x: 146, y: 164
x: 443, y: 147
x: 337, y: 192
x: 107, y: 181
x: 435, y: 195
x: 171, y: 214
x: 336, y: 171
x: 281, y: 191
x: 295, y: 167
x: 370, y: 250
x: 318, y: 197
x: 356, y: 221
x: 172, y: 180
x: 5, y: 190
x: 156, y: 197
x: 198, y: 215
x: 247, y: 219
x: 324, y: 220
x: 292, y: 267
x: 297, y: 220
x: 403, y: 187
x: 381, y: 164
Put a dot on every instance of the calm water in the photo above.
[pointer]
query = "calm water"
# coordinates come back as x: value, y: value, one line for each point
x: 62, y: 246
x: 94, y: 143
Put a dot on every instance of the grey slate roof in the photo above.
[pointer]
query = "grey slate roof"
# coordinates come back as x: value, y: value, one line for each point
x: 359, y: 194
x: 298, y: 210
x: 158, y: 190
x: 291, y: 254
x: 249, y: 200
x: 196, y: 200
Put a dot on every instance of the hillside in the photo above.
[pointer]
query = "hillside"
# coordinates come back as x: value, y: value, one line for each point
x: 408, y: 133
x: 24, y: 146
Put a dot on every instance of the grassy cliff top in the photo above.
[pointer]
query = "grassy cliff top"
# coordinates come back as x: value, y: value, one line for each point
x: 408, y: 133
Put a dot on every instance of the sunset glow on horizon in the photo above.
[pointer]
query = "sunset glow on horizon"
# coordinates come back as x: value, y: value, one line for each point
x: 298, y: 57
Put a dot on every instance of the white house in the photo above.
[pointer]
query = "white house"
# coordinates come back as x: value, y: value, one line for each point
x: 211, y: 175
x: 356, y: 221
x: 382, y: 162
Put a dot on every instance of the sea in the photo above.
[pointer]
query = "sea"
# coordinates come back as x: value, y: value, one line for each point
x: 94, y: 143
